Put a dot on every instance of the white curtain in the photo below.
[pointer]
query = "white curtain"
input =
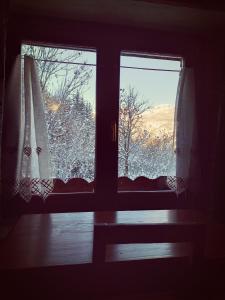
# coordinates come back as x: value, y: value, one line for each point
x: 27, y: 155
x: 188, y: 169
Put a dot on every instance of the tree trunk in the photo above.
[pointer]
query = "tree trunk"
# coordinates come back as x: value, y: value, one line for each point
x: 126, y: 169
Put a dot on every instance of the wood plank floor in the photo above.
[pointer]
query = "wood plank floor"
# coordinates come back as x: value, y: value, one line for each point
x: 50, y: 256
x: 42, y: 240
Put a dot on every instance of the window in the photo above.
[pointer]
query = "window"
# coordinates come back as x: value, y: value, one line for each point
x: 146, y: 112
x: 148, y: 89
x: 68, y: 86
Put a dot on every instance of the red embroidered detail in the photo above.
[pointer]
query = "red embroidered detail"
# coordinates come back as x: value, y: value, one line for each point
x: 27, y: 150
x: 38, y: 150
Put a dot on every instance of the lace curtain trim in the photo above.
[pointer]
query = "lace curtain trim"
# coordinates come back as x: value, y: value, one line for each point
x: 28, y: 187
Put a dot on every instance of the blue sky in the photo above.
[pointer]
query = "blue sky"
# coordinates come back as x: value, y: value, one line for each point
x: 154, y: 87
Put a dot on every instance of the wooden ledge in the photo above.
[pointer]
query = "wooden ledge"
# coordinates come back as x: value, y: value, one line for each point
x: 43, y: 240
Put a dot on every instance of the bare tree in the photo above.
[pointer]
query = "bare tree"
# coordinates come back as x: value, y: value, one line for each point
x: 70, y: 120
x: 130, y: 123
x: 59, y: 74
x: 153, y: 157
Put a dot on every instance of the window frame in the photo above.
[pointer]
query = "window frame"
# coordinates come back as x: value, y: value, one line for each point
x: 108, y: 45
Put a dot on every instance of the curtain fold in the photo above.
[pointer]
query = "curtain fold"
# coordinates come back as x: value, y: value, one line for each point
x: 27, y: 162
x: 27, y: 169
x: 188, y: 167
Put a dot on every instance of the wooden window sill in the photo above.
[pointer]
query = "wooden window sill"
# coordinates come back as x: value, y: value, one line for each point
x: 43, y: 240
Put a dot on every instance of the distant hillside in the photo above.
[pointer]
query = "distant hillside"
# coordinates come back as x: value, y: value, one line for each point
x: 159, y: 118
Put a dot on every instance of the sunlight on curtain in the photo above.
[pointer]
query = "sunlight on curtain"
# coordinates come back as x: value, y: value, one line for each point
x: 26, y: 133
x: 188, y: 162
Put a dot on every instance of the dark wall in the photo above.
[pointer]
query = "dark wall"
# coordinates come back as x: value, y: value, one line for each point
x: 3, y: 25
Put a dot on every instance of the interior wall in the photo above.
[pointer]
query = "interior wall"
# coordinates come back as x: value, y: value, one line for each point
x: 210, y: 74
x: 219, y: 180
x: 3, y: 24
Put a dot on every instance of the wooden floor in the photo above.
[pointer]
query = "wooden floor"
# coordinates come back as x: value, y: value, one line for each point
x: 42, y: 240
x: 46, y: 251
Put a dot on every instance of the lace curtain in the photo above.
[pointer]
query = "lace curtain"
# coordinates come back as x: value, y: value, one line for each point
x: 27, y: 170
x: 188, y: 170
x: 26, y: 156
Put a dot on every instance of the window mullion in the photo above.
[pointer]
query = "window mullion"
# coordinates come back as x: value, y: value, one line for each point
x: 108, y: 66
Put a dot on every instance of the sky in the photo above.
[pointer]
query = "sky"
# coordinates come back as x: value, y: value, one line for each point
x: 157, y: 88
x: 154, y: 87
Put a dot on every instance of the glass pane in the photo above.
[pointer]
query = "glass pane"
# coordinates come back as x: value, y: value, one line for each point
x: 68, y: 83
x: 148, y: 88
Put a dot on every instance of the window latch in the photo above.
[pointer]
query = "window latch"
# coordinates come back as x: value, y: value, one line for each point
x: 114, y: 132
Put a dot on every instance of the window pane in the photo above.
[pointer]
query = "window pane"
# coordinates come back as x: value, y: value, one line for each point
x: 68, y: 83
x: 148, y: 88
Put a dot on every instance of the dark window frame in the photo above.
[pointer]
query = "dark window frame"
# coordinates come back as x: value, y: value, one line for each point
x: 109, y: 41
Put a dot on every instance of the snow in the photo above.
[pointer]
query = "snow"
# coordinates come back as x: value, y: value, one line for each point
x: 70, y: 119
